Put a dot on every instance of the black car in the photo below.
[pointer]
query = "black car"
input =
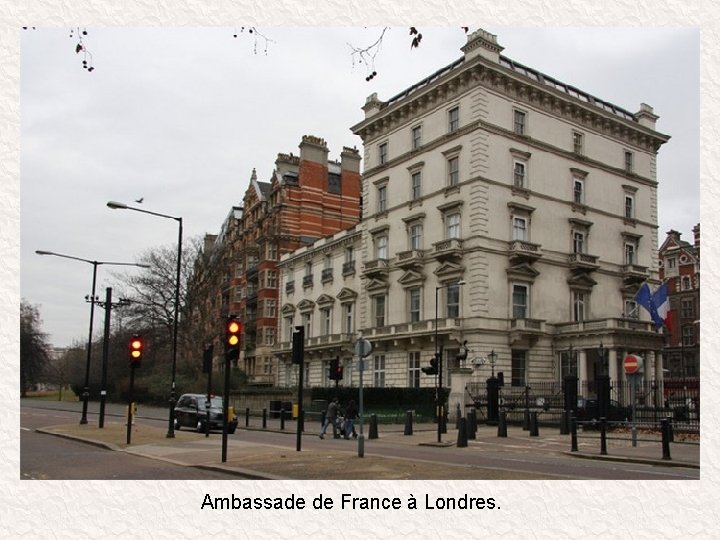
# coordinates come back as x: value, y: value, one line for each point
x: 588, y: 410
x: 191, y: 411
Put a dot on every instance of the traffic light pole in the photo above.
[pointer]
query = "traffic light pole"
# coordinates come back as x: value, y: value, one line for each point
x: 298, y: 357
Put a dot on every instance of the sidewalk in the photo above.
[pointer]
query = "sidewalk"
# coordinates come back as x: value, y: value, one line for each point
x: 263, y: 461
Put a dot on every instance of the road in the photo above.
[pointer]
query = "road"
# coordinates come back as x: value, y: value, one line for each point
x: 46, y: 456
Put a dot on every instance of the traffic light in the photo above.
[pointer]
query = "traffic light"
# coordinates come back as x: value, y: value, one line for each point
x: 432, y: 369
x: 233, y: 330
x: 135, y: 350
x: 336, y: 370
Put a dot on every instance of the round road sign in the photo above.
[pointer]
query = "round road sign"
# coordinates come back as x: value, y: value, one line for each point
x: 632, y: 364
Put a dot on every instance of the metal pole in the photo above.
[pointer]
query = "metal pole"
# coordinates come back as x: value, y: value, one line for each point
x: 130, y: 402
x: 226, y: 405
x: 171, y: 424
x: 301, y: 382
x: 86, y: 390
x: 440, y: 367
x: 106, y: 347
x: 361, y: 436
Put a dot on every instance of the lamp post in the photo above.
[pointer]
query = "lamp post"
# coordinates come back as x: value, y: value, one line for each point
x: 438, y: 355
x: 491, y: 358
x: 95, y: 264
x: 122, y: 206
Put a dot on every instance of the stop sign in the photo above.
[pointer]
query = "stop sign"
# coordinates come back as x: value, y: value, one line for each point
x: 632, y: 364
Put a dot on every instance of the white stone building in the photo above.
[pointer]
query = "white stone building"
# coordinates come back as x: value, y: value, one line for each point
x: 505, y: 209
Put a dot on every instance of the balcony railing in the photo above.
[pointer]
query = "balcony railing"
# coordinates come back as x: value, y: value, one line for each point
x: 583, y: 261
x: 348, y: 268
x: 411, y: 257
x: 327, y: 275
x: 521, y: 249
x: 451, y: 247
x: 307, y: 281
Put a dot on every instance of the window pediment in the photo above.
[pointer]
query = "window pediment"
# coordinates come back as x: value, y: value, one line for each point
x: 306, y: 305
x: 288, y: 309
x: 410, y: 278
x: 325, y: 300
x: 523, y: 271
x: 346, y: 295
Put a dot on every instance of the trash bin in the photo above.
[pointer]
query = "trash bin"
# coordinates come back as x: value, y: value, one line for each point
x: 295, y: 410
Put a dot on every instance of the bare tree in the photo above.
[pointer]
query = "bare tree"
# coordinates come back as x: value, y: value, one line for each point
x: 34, y: 347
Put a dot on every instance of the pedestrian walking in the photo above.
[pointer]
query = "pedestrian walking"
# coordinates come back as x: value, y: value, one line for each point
x: 350, y: 415
x: 331, y: 418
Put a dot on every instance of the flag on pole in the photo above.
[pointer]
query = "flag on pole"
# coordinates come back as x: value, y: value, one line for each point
x: 657, y: 303
x: 661, y: 301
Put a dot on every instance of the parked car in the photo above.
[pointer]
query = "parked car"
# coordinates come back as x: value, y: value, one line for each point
x: 191, y: 411
x: 588, y: 410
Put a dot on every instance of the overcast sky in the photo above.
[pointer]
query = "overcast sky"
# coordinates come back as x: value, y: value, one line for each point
x: 181, y: 117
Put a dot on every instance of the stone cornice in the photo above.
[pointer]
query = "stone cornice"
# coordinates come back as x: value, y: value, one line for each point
x: 494, y: 77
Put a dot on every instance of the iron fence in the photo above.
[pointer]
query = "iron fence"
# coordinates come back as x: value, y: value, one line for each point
x: 649, y: 401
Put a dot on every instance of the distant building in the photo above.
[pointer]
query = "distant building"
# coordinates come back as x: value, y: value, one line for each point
x: 680, y: 267
x: 502, y: 208
x: 307, y: 197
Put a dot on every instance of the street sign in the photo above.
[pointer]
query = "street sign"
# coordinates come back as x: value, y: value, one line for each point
x: 363, y: 348
x: 633, y: 364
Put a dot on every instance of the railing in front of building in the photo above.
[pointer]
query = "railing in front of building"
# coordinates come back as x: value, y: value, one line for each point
x: 603, y: 324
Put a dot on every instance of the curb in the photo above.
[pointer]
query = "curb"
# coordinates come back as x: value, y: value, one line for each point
x: 641, y: 461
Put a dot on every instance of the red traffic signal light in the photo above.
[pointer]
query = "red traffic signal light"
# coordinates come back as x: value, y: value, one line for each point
x: 336, y: 370
x: 135, y: 349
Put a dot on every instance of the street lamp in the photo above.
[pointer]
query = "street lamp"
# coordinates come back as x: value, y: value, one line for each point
x: 86, y: 389
x: 438, y: 355
x: 491, y: 358
x: 122, y: 206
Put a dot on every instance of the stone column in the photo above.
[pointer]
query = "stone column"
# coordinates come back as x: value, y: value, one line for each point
x: 582, y: 370
x: 613, y: 365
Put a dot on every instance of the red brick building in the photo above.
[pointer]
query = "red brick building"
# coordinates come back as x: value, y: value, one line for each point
x: 307, y: 198
x: 680, y: 267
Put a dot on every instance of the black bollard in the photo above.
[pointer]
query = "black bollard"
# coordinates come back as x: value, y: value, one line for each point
x: 301, y: 419
x: 564, y: 423
x: 573, y: 435
x: 282, y: 419
x: 247, y: 416
x: 471, y: 424
x: 458, y: 416
x: 603, y: 437
x: 462, y: 440
x: 264, y: 418
x: 526, y: 420
x: 408, y: 423
x: 443, y: 419
x: 665, y: 438
x: 534, y: 432
x: 502, y: 424
x: 373, y: 431
x: 671, y: 435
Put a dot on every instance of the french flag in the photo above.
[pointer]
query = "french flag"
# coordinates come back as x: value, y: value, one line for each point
x: 657, y: 304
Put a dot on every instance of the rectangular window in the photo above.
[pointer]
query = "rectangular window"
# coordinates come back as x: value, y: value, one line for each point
x: 628, y: 162
x: 519, y: 368
x: 520, y: 301
x: 414, y: 304
x: 519, y: 228
x: 270, y: 308
x: 348, y: 318
x: 288, y: 330
x: 414, y: 369
x: 269, y: 337
x: 452, y: 225
x: 271, y: 279
x: 383, y: 153
x: 379, y: 310
x: 631, y: 309
x: 452, y: 295
x: 379, y: 370
x: 578, y: 191
x: 272, y: 251
x: 382, y: 199
x: 307, y: 324
x: 687, y: 309
x: 453, y: 119
x: 577, y: 142
x: 578, y: 242
x: 629, y: 206
x: 519, y: 124
x: 519, y: 174
x: 629, y: 254
x: 568, y: 363
x: 416, y: 232
x: 688, y: 335
x: 453, y: 171
x: 381, y: 247
x: 326, y: 321
x: 416, y: 137
x: 578, y: 306
x: 416, y: 185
